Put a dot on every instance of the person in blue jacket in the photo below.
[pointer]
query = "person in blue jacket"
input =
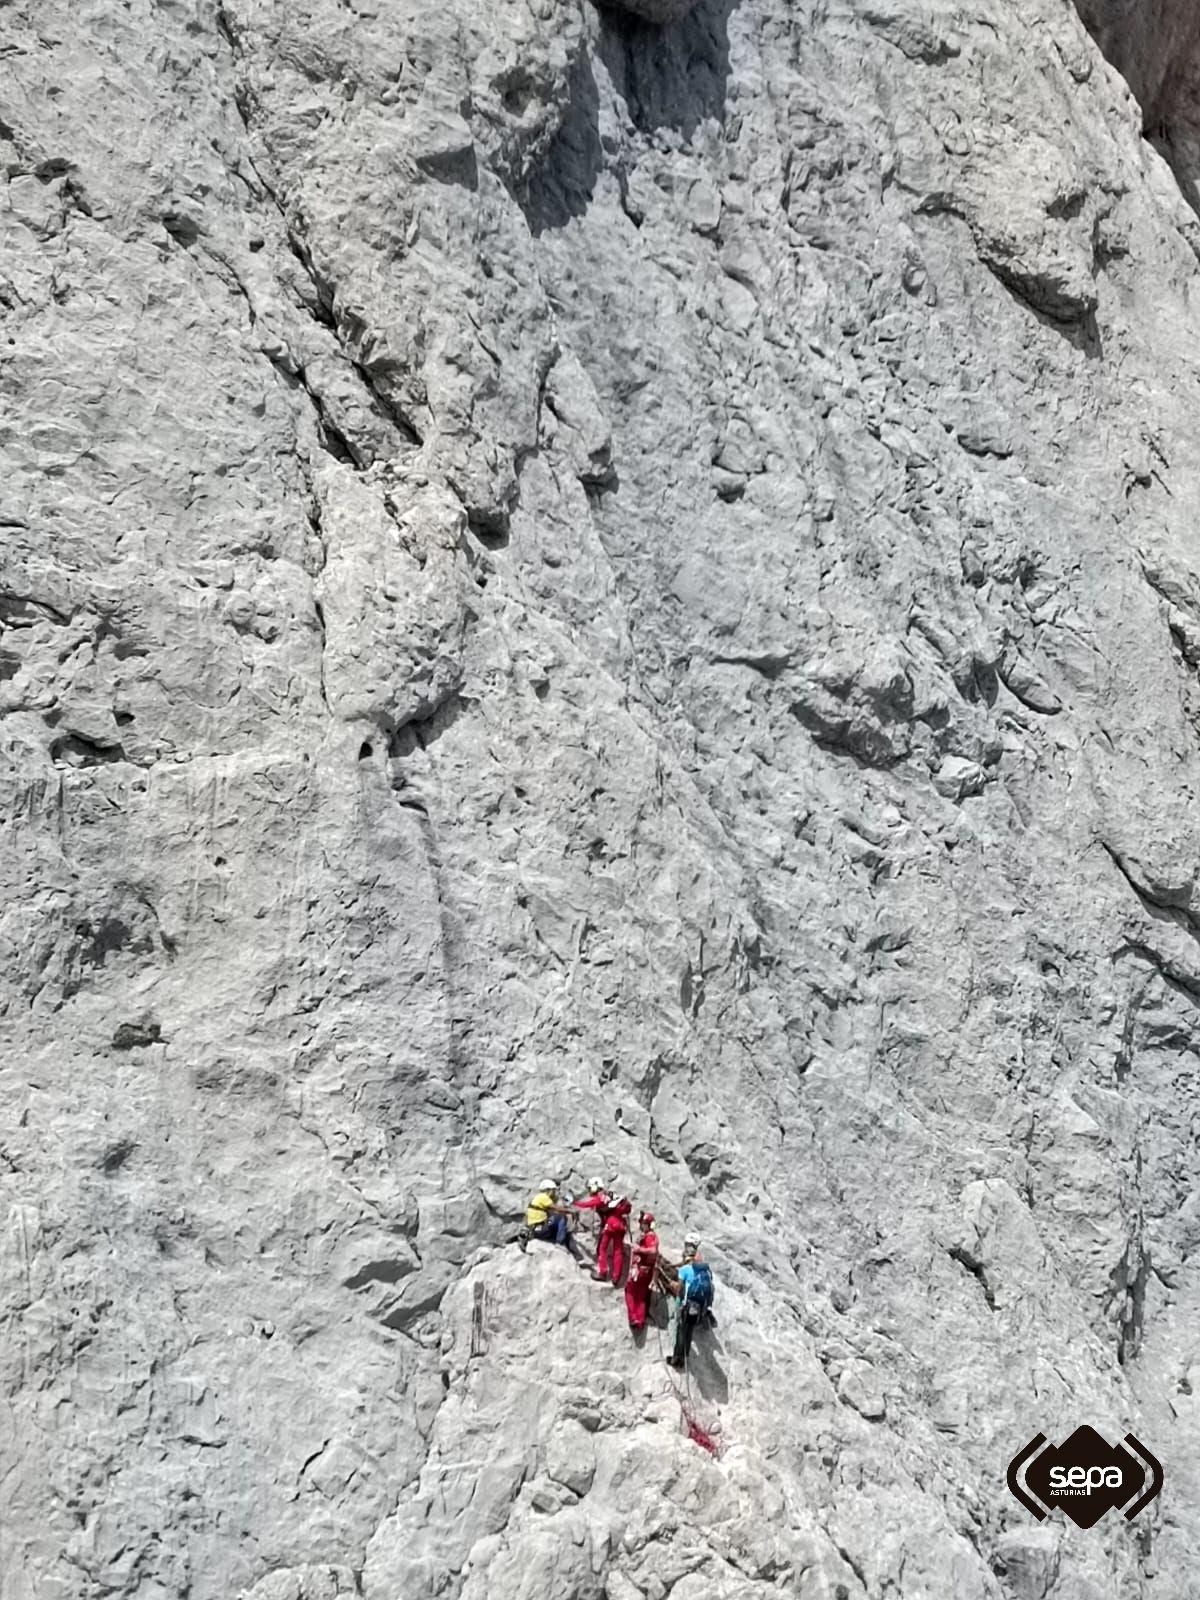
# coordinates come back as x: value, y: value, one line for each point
x: 692, y: 1298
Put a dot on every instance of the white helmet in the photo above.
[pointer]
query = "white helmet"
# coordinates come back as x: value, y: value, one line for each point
x: 595, y: 1185
x: 549, y: 1184
x: 691, y: 1242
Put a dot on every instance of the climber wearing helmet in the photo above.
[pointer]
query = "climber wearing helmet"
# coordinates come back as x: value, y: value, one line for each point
x: 693, y: 1291
x: 546, y: 1216
x: 669, y: 1285
x: 613, y: 1211
x: 595, y: 1200
x: 642, y: 1264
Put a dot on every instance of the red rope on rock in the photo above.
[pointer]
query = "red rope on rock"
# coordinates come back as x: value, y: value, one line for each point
x: 692, y: 1427
x: 699, y: 1435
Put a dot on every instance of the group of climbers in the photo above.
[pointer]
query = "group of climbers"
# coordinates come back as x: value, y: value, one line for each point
x: 689, y: 1286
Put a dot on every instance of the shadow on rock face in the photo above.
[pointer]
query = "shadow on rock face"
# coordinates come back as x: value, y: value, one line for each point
x: 706, y: 1371
x: 670, y: 76
x: 1155, y: 46
x: 652, y: 10
x: 562, y: 186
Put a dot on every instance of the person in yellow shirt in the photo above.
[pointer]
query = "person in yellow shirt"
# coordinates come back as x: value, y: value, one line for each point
x: 546, y: 1216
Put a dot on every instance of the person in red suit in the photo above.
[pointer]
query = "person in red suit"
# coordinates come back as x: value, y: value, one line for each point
x: 613, y: 1213
x: 642, y: 1263
x: 610, y: 1256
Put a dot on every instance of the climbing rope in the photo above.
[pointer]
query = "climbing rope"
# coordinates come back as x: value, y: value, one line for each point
x: 706, y: 1438
x: 692, y: 1426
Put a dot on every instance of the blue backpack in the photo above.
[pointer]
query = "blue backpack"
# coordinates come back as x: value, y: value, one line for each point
x: 698, y: 1290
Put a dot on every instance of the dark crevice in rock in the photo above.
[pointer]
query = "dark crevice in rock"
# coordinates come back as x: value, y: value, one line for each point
x: 387, y: 406
x: 74, y: 750
x: 115, y: 1157
x: 137, y: 1035
x: 402, y: 1318
x: 977, y: 1270
x: 770, y: 667
x: 866, y: 746
x: 104, y: 938
x: 658, y: 12
x: 183, y: 229
x: 319, y: 614
x: 1043, y: 708
x: 1182, y: 982
x: 1155, y: 46
x: 1078, y: 326
x: 452, y: 166
x: 491, y: 531
x: 333, y: 441
x: 672, y: 73
x: 22, y: 611
x: 855, y: 1568
x: 560, y: 188
x: 390, y: 1270
x: 420, y: 732
x: 1124, y: 1057
x: 1130, y: 1292
x: 52, y: 167
x: 674, y: 76
x: 1182, y: 615
x: 1163, y: 906
x: 322, y: 306
x: 1064, y: 311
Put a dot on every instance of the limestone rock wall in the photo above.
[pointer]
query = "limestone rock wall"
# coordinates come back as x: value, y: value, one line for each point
x: 605, y: 594
x: 1156, y: 47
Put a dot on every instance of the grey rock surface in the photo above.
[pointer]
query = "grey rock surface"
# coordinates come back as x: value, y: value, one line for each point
x: 618, y: 598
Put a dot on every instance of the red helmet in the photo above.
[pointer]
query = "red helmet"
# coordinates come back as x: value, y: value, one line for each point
x: 646, y: 1220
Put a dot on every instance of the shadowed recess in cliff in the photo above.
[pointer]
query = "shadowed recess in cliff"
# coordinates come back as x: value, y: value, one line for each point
x: 1155, y: 46
x: 670, y: 77
x: 562, y: 187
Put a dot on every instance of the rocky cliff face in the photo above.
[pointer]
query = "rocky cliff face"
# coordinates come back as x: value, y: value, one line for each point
x: 602, y: 588
x: 1156, y: 46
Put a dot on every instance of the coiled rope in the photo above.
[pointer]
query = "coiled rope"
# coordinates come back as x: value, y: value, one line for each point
x: 692, y: 1425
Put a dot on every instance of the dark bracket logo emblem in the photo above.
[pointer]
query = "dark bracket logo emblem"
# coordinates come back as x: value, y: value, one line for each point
x: 1085, y: 1476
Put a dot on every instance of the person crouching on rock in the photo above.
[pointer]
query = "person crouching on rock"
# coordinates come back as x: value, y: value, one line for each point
x: 642, y: 1264
x: 546, y: 1216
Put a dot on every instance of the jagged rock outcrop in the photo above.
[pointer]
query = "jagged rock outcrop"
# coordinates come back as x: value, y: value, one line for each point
x: 587, y: 594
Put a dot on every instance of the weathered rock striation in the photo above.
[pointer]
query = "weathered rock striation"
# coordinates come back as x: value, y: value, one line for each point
x: 612, y: 588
